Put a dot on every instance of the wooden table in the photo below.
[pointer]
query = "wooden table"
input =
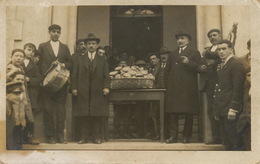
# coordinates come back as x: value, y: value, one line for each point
x: 142, y: 94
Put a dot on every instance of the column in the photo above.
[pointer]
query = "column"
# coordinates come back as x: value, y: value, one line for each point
x: 208, y: 17
x: 66, y: 17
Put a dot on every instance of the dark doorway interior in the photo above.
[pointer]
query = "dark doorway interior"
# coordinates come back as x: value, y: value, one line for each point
x: 137, y: 36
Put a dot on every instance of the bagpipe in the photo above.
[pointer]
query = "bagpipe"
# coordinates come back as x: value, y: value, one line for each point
x: 232, y: 35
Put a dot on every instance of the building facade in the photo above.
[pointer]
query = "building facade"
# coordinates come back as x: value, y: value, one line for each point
x: 116, y: 27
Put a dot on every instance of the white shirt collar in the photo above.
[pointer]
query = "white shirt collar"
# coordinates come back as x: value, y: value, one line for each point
x: 26, y: 62
x: 183, y: 48
x: 57, y: 42
x: 214, y: 48
x: 55, y: 47
x: 93, y: 53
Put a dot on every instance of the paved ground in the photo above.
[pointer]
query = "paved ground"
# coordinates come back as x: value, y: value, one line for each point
x: 127, y: 145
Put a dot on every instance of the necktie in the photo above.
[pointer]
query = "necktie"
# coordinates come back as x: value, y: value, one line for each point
x: 180, y: 50
x: 91, y: 56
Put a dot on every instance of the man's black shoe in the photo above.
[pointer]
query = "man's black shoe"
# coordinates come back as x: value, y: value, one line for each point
x: 156, y: 138
x: 186, y: 140
x: 61, y: 141
x: 51, y: 141
x: 97, y: 141
x: 171, y: 140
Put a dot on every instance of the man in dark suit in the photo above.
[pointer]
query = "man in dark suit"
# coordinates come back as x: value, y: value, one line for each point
x: 182, y: 87
x: 32, y: 78
x: 50, y: 53
x: 90, y: 83
x: 228, y: 94
x: 208, y: 80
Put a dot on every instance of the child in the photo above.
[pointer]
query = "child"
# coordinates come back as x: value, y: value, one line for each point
x: 15, y: 117
x: 33, y: 78
x: 14, y: 66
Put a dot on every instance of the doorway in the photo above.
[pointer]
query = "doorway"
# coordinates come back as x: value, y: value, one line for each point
x: 137, y: 34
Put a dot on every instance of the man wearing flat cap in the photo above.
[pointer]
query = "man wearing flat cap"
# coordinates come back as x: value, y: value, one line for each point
x: 54, y: 102
x: 208, y: 80
x: 90, y: 83
x: 15, y: 117
x: 182, y: 87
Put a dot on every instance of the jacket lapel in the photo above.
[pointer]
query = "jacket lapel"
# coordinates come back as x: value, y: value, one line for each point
x: 185, y: 52
x: 84, y: 60
x: 96, y: 61
x: 60, y: 50
x: 49, y: 48
x: 29, y: 66
x: 225, y: 66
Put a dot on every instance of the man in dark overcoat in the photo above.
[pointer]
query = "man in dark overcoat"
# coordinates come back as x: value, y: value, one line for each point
x: 208, y: 80
x: 80, y: 50
x: 182, y: 87
x: 54, y: 102
x: 228, y: 94
x: 90, y: 83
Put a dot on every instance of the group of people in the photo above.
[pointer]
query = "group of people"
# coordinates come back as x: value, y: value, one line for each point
x: 224, y: 77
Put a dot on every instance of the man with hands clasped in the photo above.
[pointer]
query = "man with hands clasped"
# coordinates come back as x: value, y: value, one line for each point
x: 90, y: 83
x: 228, y: 94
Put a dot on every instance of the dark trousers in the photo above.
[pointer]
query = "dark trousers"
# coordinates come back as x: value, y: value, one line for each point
x: 90, y: 127
x: 173, y: 125
x: 229, y: 133
x: 28, y: 131
x: 246, y: 137
x: 14, y: 135
x: 104, y: 129
x: 54, y: 112
x: 215, y: 129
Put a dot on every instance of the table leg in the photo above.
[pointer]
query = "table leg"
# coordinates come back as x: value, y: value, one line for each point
x: 162, y: 119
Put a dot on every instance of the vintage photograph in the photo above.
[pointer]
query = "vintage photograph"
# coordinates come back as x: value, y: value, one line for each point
x: 127, y: 77
x: 165, y: 78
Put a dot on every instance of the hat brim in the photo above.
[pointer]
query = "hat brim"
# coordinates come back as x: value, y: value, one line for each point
x: 187, y: 35
x: 92, y: 39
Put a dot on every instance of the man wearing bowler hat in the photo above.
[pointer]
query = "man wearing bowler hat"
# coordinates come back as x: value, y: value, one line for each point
x: 54, y: 102
x: 182, y: 87
x: 90, y: 83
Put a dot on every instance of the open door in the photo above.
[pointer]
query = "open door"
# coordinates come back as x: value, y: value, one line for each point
x: 137, y: 30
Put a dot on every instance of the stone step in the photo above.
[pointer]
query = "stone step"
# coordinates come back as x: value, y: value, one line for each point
x: 129, y: 145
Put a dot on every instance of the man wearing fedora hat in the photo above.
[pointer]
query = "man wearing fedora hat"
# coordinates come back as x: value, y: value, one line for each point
x: 90, y: 83
x: 182, y: 90
x: 54, y: 102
